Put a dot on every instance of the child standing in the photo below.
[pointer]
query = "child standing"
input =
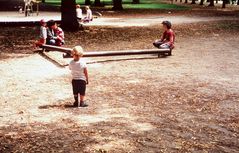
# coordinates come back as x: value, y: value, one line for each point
x: 78, y: 12
x: 79, y: 76
x: 168, y: 37
x: 43, y: 33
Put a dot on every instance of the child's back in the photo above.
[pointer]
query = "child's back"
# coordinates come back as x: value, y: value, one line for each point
x: 79, y: 75
x: 77, y: 69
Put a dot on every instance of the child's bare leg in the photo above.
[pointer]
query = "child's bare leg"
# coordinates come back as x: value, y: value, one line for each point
x: 157, y: 43
x: 82, y: 103
x: 82, y: 98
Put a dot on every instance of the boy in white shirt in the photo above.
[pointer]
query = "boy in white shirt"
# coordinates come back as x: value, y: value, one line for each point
x: 78, y: 12
x: 79, y: 76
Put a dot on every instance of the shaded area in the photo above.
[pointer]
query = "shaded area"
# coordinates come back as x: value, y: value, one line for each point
x: 179, y: 119
x: 104, y: 38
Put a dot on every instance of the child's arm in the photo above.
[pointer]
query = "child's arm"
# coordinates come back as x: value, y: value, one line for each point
x: 86, y: 75
x: 162, y: 37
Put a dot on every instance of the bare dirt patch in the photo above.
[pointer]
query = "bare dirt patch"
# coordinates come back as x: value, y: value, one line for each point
x: 184, y: 103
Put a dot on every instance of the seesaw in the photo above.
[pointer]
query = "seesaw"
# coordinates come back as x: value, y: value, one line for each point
x: 67, y: 52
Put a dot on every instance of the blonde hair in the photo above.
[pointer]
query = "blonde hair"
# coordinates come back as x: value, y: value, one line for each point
x: 78, y: 51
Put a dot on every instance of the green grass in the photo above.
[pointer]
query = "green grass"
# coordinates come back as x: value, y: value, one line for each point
x: 144, y: 4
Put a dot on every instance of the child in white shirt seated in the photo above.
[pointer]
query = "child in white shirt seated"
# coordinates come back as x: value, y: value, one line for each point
x: 43, y: 33
x: 89, y: 16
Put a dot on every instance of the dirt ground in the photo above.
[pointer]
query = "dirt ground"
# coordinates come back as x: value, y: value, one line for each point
x: 188, y: 102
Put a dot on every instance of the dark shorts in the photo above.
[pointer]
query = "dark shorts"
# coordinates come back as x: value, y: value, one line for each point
x: 79, y: 87
x: 161, y: 45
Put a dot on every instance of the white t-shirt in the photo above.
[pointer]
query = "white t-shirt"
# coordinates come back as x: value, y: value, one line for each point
x: 89, y: 14
x: 77, y: 69
x: 43, y: 32
x: 79, y: 13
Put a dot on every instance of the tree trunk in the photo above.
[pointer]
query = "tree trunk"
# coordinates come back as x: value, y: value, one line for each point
x: 201, y: 2
x: 237, y: 2
x: 68, y: 15
x: 181, y: 1
x: 224, y: 3
x: 87, y: 2
x: 97, y: 3
x: 211, y: 3
x: 117, y: 5
x: 216, y: 1
x: 176, y: 0
x: 193, y: 2
x: 186, y: 1
x: 135, y: 2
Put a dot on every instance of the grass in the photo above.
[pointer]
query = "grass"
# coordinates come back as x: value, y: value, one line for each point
x: 127, y: 4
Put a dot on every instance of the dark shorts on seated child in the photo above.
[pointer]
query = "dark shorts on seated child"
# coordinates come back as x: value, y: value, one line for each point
x: 79, y: 87
x: 160, y: 44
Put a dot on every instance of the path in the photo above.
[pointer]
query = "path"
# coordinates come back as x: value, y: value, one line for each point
x: 116, y: 22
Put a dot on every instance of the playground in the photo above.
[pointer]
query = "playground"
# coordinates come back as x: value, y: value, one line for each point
x: 187, y: 102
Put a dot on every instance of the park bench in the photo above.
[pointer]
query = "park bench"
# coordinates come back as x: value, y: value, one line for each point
x: 67, y: 52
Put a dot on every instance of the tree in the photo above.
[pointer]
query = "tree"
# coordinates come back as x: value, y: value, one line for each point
x: 43, y: 1
x: 186, y: 1
x: 237, y: 2
x: 117, y: 5
x: 211, y: 3
x: 68, y: 15
x: 136, y: 2
x: 87, y: 2
x: 193, y: 2
x: 201, y: 2
x: 97, y: 3
x: 224, y: 3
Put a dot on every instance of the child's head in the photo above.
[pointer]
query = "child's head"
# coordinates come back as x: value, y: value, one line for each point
x: 87, y: 7
x: 77, y: 52
x: 52, y: 24
x: 77, y: 6
x: 166, y: 25
x: 43, y: 22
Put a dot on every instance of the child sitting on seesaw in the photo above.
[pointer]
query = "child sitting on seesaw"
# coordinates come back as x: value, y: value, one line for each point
x: 55, y: 35
x: 79, y: 76
x: 168, y: 37
x: 43, y: 33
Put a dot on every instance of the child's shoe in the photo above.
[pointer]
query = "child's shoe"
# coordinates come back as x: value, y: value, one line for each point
x: 75, y: 104
x: 82, y: 104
